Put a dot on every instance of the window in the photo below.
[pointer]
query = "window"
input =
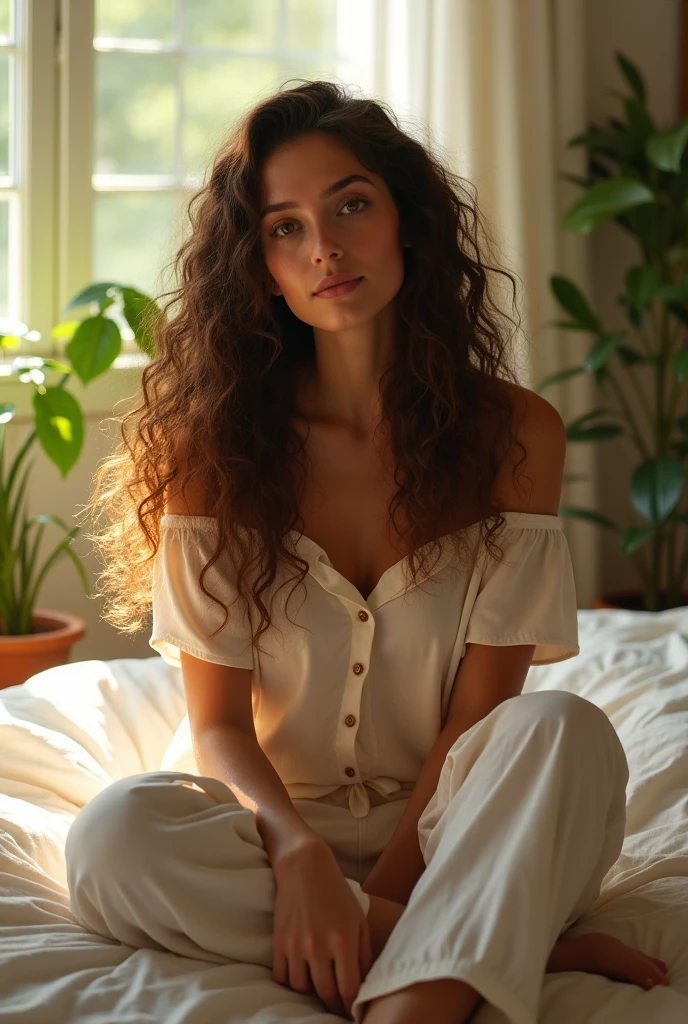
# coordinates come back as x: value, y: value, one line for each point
x: 110, y: 124
x: 171, y: 77
x: 10, y: 62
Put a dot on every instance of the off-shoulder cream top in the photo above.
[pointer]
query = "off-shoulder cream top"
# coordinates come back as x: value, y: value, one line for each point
x: 358, y: 698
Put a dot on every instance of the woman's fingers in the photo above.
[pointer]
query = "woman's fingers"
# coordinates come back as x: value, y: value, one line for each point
x: 348, y: 973
x: 280, y: 968
x: 299, y: 979
x: 324, y: 983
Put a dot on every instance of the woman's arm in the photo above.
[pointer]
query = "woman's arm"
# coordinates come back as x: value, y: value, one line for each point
x: 228, y: 754
x: 225, y: 747
x: 486, y: 676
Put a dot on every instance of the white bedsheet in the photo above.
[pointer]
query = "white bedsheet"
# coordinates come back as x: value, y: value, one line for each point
x: 70, y: 731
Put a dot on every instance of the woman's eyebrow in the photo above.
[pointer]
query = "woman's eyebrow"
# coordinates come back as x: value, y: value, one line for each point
x: 329, y: 191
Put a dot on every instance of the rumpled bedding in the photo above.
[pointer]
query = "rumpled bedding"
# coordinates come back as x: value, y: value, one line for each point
x: 68, y: 732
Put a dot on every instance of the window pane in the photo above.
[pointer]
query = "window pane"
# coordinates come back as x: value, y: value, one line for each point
x: 311, y: 26
x: 131, y: 19
x: 241, y: 24
x: 5, y: 69
x: 4, y: 20
x: 133, y: 237
x: 4, y: 291
x: 215, y: 92
x: 135, y: 112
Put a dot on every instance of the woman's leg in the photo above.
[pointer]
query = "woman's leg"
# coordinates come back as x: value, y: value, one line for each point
x: 527, y: 819
x: 173, y: 861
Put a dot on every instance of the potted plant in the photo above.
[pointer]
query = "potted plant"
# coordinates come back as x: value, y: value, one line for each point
x: 638, y: 178
x: 32, y: 639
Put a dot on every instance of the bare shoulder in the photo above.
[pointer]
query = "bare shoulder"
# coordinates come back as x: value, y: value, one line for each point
x: 530, y: 480
x: 186, y: 495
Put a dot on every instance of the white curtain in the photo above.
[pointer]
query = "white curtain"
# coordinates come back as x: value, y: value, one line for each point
x: 496, y: 88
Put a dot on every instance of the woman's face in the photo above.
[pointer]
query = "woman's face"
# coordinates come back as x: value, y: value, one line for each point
x: 353, y: 230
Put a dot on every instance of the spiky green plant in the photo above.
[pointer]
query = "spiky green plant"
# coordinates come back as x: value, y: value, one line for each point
x: 638, y: 178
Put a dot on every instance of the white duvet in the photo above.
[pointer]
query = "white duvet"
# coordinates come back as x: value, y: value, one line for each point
x: 70, y: 731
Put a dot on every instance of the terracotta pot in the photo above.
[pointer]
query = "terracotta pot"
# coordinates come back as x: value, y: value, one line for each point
x: 48, y: 644
x: 633, y: 600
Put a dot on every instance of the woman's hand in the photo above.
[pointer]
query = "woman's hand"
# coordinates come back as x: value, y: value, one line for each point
x: 319, y: 927
x: 597, y: 953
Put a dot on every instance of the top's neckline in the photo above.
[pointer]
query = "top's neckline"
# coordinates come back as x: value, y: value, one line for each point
x: 533, y: 520
x: 524, y: 520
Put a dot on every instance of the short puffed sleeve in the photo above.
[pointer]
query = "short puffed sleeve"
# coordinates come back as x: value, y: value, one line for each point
x: 183, y: 616
x: 530, y: 596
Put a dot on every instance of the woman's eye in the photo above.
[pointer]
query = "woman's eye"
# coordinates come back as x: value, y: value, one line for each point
x: 285, y: 223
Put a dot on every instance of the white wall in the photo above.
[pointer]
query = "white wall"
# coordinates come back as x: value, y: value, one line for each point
x: 648, y: 33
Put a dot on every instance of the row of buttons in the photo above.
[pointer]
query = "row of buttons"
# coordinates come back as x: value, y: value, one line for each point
x: 350, y: 719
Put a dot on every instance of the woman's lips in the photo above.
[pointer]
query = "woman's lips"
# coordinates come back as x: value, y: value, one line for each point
x: 338, y: 289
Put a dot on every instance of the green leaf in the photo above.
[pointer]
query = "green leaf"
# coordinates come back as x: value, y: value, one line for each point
x: 64, y: 547
x: 641, y: 124
x: 97, y: 292
x: 680, y: 312
x: 632, y: 75
x: 611, y: 144
x: 656, y: 488
x: 14, y: 507
x: 673, y: 292
x: 682, y: 423
x: 602, y: 350
x: 665, y: 149
x: 555, y: 378
x: 141, y: 312
x: 575, y: 179
x: 641, y: 285
x: 600, y: 432
x: 632, y: 537
x: 596, y: 168
x: 52, y: 364
x: 572, y: 512
x: 60, y: 426
x: 571, y: 299
x: 605, y: 200
x: 679, y: 363
x: 601, y: 379
x: 94, y: 347
x: 629, y: 355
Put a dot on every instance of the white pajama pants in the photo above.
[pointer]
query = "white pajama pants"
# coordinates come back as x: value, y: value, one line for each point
x: 527, y: 818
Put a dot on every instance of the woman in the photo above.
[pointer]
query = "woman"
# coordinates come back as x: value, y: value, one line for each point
x: 371, y: 807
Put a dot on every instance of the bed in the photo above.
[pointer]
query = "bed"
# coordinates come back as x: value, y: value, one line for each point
x: 71, y: 730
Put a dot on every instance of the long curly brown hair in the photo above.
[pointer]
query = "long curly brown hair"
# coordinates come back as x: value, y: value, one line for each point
x: 216, y: 401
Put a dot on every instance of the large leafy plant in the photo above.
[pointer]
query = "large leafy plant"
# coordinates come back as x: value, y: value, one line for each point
x: 638, y: 178
x: 92, y: 344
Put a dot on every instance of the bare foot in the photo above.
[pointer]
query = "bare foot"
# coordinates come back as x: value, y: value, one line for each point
x: 597, y: 953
